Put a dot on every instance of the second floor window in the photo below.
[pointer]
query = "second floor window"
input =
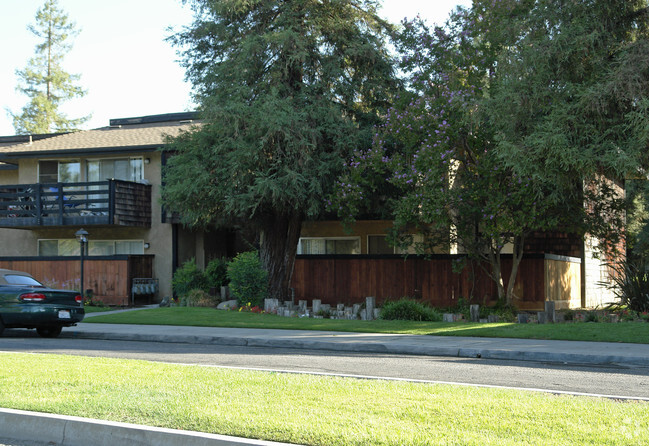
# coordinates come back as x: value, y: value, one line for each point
x: 128, y: 169
x: 59, y: 171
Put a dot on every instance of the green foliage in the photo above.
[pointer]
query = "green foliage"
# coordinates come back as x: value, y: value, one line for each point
x: 568, y: 102
x: 439, y: 156
x: 43, y: 80
x: 631, y: 285
x: 198, y: 298
x: 216, y: 273
x: 248, y: 280
x: 520, y: 116
x: 286, y: 91
x: 188, y: 277
x: 409, y: 310
x: 569, y: 315
x: 637, y: 224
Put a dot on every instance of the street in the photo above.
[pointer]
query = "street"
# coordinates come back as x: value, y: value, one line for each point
x: 615, y: 381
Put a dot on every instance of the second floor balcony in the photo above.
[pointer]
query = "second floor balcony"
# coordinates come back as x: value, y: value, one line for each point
x: 111, y: 202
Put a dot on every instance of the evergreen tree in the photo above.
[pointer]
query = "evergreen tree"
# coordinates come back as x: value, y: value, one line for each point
x: 287, y: 89
x: 521, y: 116
x: 569, y: 105
x: 43, y: 80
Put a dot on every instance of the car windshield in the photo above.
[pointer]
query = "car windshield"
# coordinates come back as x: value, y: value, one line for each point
x: 16, y: 279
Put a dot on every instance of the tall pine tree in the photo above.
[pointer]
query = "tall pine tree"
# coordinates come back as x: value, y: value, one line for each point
x: 44, y: 80
x: 287, y: 90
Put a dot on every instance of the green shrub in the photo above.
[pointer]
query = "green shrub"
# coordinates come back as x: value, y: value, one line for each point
x: 188, y: 277
x: 409, y: 310
x: 216, y: 273
x: 198, y: 298
x: 248, y: 280
x: 631, y: 285
x: 506, y: 312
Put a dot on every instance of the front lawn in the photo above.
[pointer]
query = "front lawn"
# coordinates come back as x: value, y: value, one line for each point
x: 634, y: 332
x: 311, y: 410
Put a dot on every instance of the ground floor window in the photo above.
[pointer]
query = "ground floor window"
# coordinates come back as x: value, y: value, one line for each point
x: 332, y: 245
x: 378, y: 244
x: 70, y: 247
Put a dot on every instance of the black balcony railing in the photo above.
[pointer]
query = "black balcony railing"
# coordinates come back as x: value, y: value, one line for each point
x: 111, y: 202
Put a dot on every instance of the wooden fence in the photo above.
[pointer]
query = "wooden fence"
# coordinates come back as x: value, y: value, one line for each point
x: 109, y: 277
x: 349, y: 279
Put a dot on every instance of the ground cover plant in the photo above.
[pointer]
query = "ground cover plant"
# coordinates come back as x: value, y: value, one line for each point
x: 635, y: 332
x: 409, y: 310
x: 306, y: 409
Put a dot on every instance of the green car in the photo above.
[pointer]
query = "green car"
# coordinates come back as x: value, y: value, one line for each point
x: 27, y: 303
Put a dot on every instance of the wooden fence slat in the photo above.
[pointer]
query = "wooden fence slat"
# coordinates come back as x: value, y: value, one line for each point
x: 109, y: 279
x: 350, y: 279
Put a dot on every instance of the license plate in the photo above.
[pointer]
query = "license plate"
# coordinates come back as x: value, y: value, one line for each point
x: 64, y: 314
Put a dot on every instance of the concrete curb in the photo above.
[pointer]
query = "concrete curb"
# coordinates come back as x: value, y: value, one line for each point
x: 76, y: 431
x: 376, y: 346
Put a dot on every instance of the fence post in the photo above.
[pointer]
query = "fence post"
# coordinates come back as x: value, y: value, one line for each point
x: 59, y: 201
x: 39, y: 206
x: 111, y: 202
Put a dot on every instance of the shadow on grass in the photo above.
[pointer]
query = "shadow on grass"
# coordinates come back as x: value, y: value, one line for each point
x: 633, y: 332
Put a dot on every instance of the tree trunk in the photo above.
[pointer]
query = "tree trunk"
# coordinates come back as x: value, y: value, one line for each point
x: 279, y: 238
x: 496, y: 273
x: 516, y: 261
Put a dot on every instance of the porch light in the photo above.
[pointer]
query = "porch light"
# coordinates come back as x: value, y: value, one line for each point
x: 82, y: 237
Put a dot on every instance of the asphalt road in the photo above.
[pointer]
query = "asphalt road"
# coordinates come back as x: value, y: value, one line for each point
x: 611, y: 381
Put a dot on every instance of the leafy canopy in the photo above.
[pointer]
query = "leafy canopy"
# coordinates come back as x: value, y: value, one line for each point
x: 521, y: 115
x: 286, y: 91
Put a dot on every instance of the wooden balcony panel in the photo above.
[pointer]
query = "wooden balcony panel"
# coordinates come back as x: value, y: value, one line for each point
x: 111, y: 202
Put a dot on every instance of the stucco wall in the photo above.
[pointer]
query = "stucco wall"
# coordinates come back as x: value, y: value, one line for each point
x: 159, y: 236
x: 595, y: 272
x: 8, y: 176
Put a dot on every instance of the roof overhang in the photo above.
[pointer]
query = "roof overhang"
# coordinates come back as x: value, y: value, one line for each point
x: 77, y: 152
x: 8, y: 166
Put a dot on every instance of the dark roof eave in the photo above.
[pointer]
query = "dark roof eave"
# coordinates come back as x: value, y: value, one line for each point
x: 8, y: 166
x: 68, y: 152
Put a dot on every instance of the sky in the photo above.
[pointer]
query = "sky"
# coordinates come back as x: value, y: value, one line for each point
x: 126, y: 66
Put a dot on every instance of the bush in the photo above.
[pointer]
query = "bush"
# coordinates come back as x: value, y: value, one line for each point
x: 198, y: 298
x: 409, y: 310
x: 248, y: 280
x: 631, y: 285
x: 216, y: 273
x: 188, y: 277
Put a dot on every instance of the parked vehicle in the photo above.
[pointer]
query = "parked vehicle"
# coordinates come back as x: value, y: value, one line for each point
x: 27, y: 303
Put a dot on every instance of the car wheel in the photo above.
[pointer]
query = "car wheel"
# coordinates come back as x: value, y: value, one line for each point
x: 49, y: 332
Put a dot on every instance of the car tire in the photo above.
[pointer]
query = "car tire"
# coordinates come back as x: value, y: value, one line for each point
x: 49, y: 332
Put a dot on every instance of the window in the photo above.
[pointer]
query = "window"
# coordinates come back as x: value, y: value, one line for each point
x: 126, y: 169
x: 337, y: 245
x: 59, y: 171
x: 378, y: 244
x: 21, y: 280
x: 70, y: 247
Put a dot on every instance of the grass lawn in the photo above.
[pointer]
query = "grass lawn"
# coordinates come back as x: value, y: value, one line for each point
x: 635, y: 332
x: 311, y: 410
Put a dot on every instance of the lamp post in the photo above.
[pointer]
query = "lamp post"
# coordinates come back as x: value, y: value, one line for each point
x: 82, y: 237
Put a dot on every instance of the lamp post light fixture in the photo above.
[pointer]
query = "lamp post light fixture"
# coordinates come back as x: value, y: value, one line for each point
x: 82, y: 237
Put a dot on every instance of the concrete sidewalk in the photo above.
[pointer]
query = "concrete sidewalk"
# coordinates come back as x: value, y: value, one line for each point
x: 571, y: 352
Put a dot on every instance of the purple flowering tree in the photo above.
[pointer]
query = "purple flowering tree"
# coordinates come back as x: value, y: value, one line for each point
x: 436, y: 154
